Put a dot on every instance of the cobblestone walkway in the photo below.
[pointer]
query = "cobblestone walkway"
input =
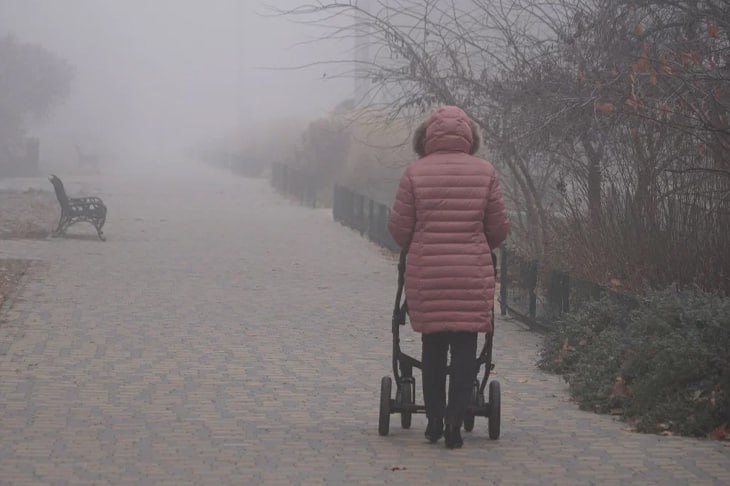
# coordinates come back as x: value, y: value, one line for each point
x: 225, y: 336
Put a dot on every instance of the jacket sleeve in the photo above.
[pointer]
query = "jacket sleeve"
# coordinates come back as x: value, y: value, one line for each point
x: 496, y: 222
x: 403, y: 215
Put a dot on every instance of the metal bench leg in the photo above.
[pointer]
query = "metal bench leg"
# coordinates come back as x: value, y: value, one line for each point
x: 61, y: 227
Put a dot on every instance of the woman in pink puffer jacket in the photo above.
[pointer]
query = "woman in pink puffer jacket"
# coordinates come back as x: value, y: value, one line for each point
x: 450, y: 214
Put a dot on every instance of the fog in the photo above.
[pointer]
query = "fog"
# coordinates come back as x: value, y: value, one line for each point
x: 154, y: 78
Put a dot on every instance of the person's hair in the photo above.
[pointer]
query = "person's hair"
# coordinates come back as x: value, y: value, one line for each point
x: 419, y: 138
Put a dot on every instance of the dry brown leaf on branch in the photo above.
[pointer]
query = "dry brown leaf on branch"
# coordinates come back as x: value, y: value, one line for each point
x: 642, y: 66
x: 567, y: 347
x: 605, y: 107
x: 633, y: 103
x: 712, y: 30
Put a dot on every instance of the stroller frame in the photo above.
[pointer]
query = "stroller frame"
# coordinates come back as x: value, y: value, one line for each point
x: 404, y: 402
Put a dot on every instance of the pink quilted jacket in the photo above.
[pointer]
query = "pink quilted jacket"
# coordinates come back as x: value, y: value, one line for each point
x: 450, y: 214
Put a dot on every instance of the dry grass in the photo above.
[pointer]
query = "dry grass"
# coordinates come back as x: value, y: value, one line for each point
x: 29, y: 214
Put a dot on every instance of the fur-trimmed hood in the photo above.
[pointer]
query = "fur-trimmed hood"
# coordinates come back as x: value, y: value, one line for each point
x: 448, y: 129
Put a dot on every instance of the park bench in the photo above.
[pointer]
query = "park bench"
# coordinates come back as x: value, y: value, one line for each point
x: 78, y: 209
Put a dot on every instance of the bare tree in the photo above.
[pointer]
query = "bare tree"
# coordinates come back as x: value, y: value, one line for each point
x: 32, y: 82
x: 609, y: 117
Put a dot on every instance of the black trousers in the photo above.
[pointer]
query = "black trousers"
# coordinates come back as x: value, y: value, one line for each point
x: 463, y: 347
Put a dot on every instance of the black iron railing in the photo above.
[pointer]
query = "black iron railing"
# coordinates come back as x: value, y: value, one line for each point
x: 536, y: 294
x: 363, y: 214
x: 529, y: 290
x: 298, y: 183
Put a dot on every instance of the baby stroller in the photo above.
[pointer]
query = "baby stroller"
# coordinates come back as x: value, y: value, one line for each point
x: 403, y: 364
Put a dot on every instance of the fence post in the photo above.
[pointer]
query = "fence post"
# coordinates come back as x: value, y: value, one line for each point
x: 360, y: 203
x: 350, y: 215
x: 381, y: 226
x: 566, y: 293
x: 312, y: 190
x: 306, y: 189
x: 362, y: 214
x: 372, y: 228
x: 356, y: 209
x: 295, y: 181
x: 335, y: 202
x: 285, y: 179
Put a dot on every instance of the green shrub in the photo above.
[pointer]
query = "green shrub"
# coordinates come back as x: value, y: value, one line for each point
x: 665, y: 364
x: 599, y: 363
x: 576, y: 331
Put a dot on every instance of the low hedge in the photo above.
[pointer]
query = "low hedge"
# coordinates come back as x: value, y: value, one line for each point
x: 663, y: 365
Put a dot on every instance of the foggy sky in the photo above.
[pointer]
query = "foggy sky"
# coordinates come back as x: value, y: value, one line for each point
x: 155, y: 76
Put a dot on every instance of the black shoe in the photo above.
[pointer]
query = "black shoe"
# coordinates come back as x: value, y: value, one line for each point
x: 434, y: 430
x: 453, y: 437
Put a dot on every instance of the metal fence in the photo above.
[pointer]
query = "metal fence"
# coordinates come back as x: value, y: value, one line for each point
x: 536, y: 294
x: 363, y: 214
x: 295, y: 182
x: 529, y: 291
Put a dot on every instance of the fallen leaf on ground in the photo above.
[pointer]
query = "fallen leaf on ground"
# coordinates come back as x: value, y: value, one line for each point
x: 720, y: 432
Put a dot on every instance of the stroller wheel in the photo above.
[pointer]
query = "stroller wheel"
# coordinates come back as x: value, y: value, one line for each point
x: 494, y: 410
x: 406, y: 398
x: 386, y: 384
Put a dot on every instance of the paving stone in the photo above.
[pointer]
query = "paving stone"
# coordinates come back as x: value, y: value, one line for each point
x: 223, y: 335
